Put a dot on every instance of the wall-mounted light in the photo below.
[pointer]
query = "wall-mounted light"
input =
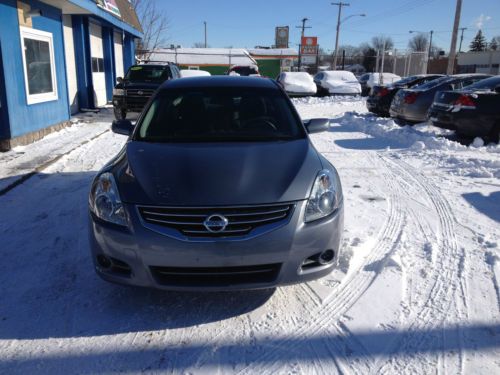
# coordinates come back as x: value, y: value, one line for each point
x: 35, y: 13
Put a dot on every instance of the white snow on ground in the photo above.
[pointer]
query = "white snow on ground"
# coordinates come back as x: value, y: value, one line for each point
x: 416, y: 292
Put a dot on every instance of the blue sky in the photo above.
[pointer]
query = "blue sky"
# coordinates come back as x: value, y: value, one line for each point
x: 249, y: 23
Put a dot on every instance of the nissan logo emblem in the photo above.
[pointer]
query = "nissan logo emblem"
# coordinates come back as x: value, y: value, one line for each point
x: 215, y: 223
x: 140, y: 92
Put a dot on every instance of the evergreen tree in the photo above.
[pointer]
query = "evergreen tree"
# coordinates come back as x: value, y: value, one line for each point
x: 478, y: 43
x: 493, y: 44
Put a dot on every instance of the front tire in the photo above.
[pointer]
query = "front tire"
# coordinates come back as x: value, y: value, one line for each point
x: 120, y: 114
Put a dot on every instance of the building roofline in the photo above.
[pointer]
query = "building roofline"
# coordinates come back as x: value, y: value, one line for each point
x: 92, y: 8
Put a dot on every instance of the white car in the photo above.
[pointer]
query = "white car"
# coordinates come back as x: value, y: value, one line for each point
x: 297, y: 83
x: 193, y: 73
x: 340, y: 82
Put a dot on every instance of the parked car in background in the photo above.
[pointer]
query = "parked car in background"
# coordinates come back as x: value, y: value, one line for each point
x: 410, y: 106
x: 297, y: 83
x: 337, y: 82
x: 380, y: 98
x: 243, y: 70
x: 194, y: 73
x: 473, y: 111
x: 218, y: 187
x: 378, y: 79
x: 133, y: 91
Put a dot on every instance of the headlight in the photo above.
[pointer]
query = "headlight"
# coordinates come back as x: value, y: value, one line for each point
x: 104, y: 200
x: 325, y: 197
x: 119, y: 92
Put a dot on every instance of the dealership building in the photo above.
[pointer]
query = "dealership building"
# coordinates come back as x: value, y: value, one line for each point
x: 58, y: 57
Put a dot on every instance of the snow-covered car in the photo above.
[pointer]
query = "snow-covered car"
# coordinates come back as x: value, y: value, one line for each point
x: 374, y: 79
x: 218, y: 187
x: 337, y: 82
x: 244, y: 70
x: 297, y: 83
x: 194, y: 73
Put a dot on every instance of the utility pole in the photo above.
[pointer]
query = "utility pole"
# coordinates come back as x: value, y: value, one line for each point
x: 303, y: 27
x: 453, y: 46
x: 205, y: 22
x: 340, y: 5
x: 430, y: 51
x: 461, y: 39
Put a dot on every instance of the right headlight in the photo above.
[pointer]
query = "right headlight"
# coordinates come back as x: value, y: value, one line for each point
x: 118, y: 92
x: 326, y: 196
x: 105, y: 202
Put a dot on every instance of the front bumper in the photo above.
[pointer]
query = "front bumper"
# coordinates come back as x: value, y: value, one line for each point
x: 139, y: 252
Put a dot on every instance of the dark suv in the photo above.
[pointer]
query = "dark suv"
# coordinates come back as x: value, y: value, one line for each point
x: 134, y: 90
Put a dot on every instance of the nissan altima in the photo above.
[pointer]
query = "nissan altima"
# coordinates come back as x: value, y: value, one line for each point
x: 218, y: 187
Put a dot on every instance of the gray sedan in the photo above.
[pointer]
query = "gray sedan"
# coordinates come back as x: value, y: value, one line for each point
x: 217, y: 188
x: 412, y: 105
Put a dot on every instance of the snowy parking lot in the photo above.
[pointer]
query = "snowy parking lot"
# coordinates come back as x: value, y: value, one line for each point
x: 416, y: 290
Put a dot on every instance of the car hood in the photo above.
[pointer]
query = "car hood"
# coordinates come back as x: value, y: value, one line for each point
x: 213, y: 174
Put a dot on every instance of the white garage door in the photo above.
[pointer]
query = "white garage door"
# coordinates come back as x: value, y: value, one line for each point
x: 118, y: 54
x: 97, y: 54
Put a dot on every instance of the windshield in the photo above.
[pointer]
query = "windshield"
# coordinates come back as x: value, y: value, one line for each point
x: 145, y: 73
x: 485, y: 84
x: 219, y: 115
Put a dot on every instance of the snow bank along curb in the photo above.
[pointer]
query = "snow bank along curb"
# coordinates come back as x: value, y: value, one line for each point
x: 21, y: 179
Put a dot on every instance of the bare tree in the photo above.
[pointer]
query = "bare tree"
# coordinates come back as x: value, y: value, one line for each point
x: 154, y: 24
x: 378, y: 42
x: 419, y: 43
x: 350, y: 50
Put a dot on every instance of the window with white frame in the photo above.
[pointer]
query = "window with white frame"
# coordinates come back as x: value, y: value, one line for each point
x: 39, y: 65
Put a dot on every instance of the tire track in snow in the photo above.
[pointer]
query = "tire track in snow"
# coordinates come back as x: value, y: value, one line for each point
x: 347, y: 293
x: 445, y: 272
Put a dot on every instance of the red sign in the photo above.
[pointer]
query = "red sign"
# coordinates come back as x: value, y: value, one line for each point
x: 309, y: 45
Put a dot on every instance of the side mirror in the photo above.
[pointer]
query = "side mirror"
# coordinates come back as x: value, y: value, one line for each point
x: 119, y: 80
x: 123, y: 127
x: 497, y: 89
x: 317, y: 125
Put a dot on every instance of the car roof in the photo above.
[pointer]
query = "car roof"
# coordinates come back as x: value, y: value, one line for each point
x: 220, y: 81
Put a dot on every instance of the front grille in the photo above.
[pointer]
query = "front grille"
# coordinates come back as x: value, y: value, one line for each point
x: 215, y: 276
x: 137, y: 99
x: 242, y: 220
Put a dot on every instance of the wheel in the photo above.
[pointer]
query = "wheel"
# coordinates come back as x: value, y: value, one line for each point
x: 120, y: 114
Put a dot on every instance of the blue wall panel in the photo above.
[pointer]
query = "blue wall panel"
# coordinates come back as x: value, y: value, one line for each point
x: 83, y: 59
x: 4, y: 114
x: 128, y: 52
x: 109, y: 61
x: 25, y: 118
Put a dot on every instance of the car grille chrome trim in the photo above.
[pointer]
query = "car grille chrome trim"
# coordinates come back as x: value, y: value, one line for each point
x: 188, y: 222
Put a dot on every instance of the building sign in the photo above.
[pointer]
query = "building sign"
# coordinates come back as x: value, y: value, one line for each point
x: 309, y: 45
x: 281, y: 40
x: 110, y: 6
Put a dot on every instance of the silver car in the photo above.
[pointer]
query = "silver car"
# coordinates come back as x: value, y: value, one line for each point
x: 218, y: 188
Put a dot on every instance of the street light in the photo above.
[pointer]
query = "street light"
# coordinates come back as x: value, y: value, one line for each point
x: 430, y: 45
x: 339, y: 22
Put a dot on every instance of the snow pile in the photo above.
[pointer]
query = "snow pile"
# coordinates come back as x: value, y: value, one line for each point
x: 328, y: 101
x: 415, y: 138
x: 464, y: 165
x: 384, y: 78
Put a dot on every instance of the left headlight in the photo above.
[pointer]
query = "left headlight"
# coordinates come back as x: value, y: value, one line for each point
x: 326, y: 196
x: 104, y: 200
x: 119, y: 92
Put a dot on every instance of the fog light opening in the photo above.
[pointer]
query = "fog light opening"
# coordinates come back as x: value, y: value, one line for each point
x: 103, y: 261
x: 326, y: 257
